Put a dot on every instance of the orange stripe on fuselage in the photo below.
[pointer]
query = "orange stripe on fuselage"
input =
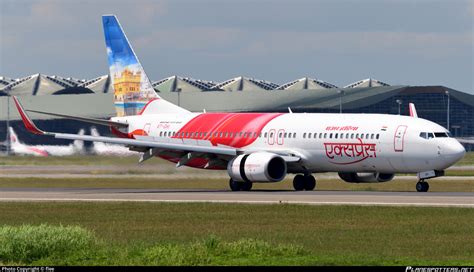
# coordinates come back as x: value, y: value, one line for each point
x: 225, y: 123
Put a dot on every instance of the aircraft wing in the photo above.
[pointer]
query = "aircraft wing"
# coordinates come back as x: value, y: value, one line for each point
x: 150, y: 145
x: 204, y: 148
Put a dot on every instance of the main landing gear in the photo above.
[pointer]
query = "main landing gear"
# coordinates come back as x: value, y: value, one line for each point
x: 422, y: 186
x: 240, y: 186
x: 304, y: 182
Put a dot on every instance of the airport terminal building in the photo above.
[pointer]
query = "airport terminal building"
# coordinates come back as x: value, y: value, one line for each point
x: 93, y: 98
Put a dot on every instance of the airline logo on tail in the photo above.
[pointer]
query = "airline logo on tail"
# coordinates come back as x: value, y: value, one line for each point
x: 132, y: 88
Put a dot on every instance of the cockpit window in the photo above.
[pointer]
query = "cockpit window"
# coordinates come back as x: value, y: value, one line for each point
x: 441, y: 135
x: 427, y: 135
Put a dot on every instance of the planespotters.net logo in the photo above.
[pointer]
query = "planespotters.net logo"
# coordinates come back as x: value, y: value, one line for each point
x: 439, y: 269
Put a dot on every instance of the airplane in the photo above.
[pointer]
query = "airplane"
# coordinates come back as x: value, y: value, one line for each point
x: 100, y: 148
x: 262, y: 147
x: 19, y: 148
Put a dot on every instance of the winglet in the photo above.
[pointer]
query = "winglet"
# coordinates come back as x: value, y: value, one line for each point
x: 412, y: 110
x: 26, y: 119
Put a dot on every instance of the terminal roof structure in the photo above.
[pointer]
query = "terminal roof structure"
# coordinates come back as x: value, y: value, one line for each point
x: 306, y: 83
x: 369, y: 82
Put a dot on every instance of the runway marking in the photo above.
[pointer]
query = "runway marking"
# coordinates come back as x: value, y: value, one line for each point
x: 354, y: 203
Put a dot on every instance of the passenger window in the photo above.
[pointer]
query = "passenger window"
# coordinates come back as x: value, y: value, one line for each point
x: 265, y: 135
x: 304, y: 135
x: 325, y: 135
x: 335, y: 135
x: 284, y: 135
x: 279, y: 135
x: 294, y: 134
x: 347, y: 135
x: 377, y: 137
x: 367, y: 136
x: 330, y: 135
x: 320, y: 135
x: 309, y: 135
x: 255, y: 134
x: 372, y: 136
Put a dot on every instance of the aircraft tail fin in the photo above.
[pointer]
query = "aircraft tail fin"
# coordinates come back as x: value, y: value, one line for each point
x: 79, y: 144
x: 133, y: 92
x: 13, y: 138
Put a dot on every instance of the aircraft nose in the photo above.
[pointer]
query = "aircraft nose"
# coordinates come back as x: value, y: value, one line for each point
x: 453, y: 151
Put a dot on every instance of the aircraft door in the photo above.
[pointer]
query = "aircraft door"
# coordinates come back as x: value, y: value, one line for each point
x: 271, y: 137
x: 280, y: 136
x: 399, y: 136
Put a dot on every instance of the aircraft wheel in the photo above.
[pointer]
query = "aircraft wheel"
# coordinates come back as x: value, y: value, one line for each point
x: 299, y: 182
x: 235, y: 185
x: 422, y: 186
x: 246, y: 186
x: 310, y: 183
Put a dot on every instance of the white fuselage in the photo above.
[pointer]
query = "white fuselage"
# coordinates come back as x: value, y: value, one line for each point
x: 324, y: 142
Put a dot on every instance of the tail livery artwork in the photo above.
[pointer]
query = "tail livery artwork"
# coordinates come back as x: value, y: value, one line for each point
x: 263, y: 147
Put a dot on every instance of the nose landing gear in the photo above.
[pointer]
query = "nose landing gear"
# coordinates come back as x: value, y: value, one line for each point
x: 422, y: 186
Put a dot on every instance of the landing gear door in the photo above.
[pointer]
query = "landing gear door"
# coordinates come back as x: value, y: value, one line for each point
x: 398, y: 140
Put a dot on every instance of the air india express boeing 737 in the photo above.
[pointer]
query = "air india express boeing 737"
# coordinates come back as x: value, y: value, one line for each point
x: 262, y: 147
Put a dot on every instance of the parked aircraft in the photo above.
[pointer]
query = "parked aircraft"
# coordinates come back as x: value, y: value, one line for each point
x: 263, y: 147
x: 19, y: 148
x: 100, y: 148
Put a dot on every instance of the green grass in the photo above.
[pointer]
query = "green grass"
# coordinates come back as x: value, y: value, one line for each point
x: 467, y: 160
x: 29, y: 243
x: 70, y: 160
x: 75, y: 245
x: 205, y: 233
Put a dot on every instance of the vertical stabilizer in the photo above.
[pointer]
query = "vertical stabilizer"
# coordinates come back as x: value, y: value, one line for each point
x: 13, y: 137
x: 132, y: 88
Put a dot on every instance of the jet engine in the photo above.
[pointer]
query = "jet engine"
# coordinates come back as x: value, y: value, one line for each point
x: 257, y: 167
x: 353, y: 177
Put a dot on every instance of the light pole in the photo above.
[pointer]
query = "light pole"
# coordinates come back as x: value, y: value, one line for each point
x: 341, y: 93
x: 447, y: 111
x: 8, y: 125
x: 399, y: 102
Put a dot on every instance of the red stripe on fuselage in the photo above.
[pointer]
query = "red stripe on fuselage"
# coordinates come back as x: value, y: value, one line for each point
x: 226, y: 125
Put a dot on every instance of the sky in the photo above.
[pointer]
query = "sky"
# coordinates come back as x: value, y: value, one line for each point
x: 400, y: 42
